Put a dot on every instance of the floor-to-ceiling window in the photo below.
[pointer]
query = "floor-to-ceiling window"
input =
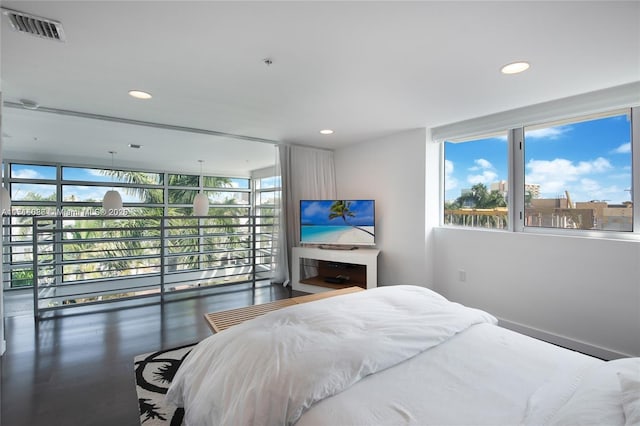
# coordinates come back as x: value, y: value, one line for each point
x: 87, y: 248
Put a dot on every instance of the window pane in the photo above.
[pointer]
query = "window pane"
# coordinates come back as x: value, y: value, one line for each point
x: 33, y: 171
x: 33, y: 192
x: 77, y: 193
x: 268, y: 198
x: 476, y: 182
x: 181, y: 211
x: 228, y: 197
x: 107, y: 175
x: 269, y: 182
x: 182, y: 196
x: 183, y: 180
x: 578, y: 175
x: 21, y: 278
x: 229, y: 211
x: 224, y: 182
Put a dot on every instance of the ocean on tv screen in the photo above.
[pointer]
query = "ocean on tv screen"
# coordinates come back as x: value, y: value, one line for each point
x: 333, y: 234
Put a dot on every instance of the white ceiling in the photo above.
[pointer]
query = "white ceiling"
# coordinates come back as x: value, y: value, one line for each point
x: 364, y: 69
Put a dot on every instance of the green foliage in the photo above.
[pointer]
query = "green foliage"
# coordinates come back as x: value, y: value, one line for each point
x: 22, y: 278
x: 34, y: 196
x: 479, y: 198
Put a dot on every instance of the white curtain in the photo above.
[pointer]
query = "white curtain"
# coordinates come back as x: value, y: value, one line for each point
x: 307, y: 174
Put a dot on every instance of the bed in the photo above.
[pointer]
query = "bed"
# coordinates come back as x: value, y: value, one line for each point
x: 396, y: 355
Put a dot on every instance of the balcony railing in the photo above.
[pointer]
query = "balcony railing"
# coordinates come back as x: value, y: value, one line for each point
x: 495, y: 218
x: 79, y: 261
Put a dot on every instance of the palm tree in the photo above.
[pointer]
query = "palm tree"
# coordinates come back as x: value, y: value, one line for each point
x: 341, y: 208
x: 186, y: 249
x: 479, y: 198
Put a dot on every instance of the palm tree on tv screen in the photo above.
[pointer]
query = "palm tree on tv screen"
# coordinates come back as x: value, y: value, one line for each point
x: 341, y: 208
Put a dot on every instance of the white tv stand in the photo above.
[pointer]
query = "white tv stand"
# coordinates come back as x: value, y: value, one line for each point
x: 312, y: 266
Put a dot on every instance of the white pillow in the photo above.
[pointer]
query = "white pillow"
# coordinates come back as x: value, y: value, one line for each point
x: 598, y: 398
x: 630, y: 386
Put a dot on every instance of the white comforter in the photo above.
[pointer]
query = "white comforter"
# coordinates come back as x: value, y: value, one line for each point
x: 270, y: 370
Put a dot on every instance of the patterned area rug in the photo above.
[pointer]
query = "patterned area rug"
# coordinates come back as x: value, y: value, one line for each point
x: 154, y: 373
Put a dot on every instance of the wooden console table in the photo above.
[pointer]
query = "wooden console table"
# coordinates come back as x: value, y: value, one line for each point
x: 222, y: 320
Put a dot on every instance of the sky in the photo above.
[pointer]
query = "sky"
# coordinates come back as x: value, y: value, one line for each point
x: 591, y: 160
x: 317, y: 212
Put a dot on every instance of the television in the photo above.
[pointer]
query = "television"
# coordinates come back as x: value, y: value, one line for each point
x: 337, y: 222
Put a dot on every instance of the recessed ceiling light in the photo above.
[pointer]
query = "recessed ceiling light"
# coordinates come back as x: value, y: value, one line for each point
x: 139, y: 94
x: 135, y: 146
x: 326, y: 131
x: 515, y: 67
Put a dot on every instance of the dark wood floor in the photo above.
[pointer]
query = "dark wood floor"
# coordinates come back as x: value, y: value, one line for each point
x: 78, y: 369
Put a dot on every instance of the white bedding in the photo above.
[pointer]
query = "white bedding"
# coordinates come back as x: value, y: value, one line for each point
x: 483, y: 376
x: 435, y: 362
x: 270, y: 370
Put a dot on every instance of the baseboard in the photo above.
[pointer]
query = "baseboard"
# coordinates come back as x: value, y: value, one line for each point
x: 565, y: 342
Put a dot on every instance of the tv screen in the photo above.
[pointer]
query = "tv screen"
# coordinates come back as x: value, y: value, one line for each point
x: 337, y: 222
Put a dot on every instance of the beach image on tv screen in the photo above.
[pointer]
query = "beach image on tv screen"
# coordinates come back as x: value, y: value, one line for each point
x: 345, y: 222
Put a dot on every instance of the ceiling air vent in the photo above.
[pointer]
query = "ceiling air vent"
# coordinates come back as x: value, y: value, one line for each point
x: 34, y: 25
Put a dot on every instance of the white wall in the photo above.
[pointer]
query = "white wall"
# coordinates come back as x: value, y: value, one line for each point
x: 391, y: 171
x: 575, y: 291
x: 580, y: 292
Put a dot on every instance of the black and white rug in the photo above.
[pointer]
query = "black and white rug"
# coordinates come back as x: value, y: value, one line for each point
x: 154, y: 373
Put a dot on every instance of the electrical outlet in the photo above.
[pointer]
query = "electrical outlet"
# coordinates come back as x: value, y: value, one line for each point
x: 462, y: 275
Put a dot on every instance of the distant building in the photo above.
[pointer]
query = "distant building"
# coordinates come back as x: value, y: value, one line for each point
x: 532, y: 188
x: 618, y: 217
x: 501, y: 186
x: 562, y: 213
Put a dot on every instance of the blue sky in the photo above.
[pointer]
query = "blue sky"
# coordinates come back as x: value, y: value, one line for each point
x: 590, y: 159
x: 317, y: 213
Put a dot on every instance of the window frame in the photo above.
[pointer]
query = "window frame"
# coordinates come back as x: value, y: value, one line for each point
x: 507, y: 162
x: 516, y: 169
x: 59, y: 204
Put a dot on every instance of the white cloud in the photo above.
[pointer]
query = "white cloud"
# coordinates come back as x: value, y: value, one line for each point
x: 449, y: 181
x: 483, y: 164
x: 313, y: 209
x: 556, y: 176
x: 589, y: 189
x: 547, y: 133
x: 566, y: 168
x: 589, y: 185
x: 625, y: 148
x: 486, y: 177
x: 27, y: 174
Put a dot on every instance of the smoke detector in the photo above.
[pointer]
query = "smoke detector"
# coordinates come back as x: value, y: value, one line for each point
x: 34, y: 25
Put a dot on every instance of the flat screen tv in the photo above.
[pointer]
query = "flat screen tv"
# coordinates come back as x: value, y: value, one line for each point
x: 337, y: 222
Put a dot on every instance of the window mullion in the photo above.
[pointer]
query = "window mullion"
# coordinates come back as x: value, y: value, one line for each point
x: 635, y: 167
x: 516, y: 180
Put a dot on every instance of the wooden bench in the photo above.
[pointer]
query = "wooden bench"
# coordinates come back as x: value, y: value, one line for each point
x: 222, y: 320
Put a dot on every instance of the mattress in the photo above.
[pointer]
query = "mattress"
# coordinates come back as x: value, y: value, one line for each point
x: 396, y: 356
